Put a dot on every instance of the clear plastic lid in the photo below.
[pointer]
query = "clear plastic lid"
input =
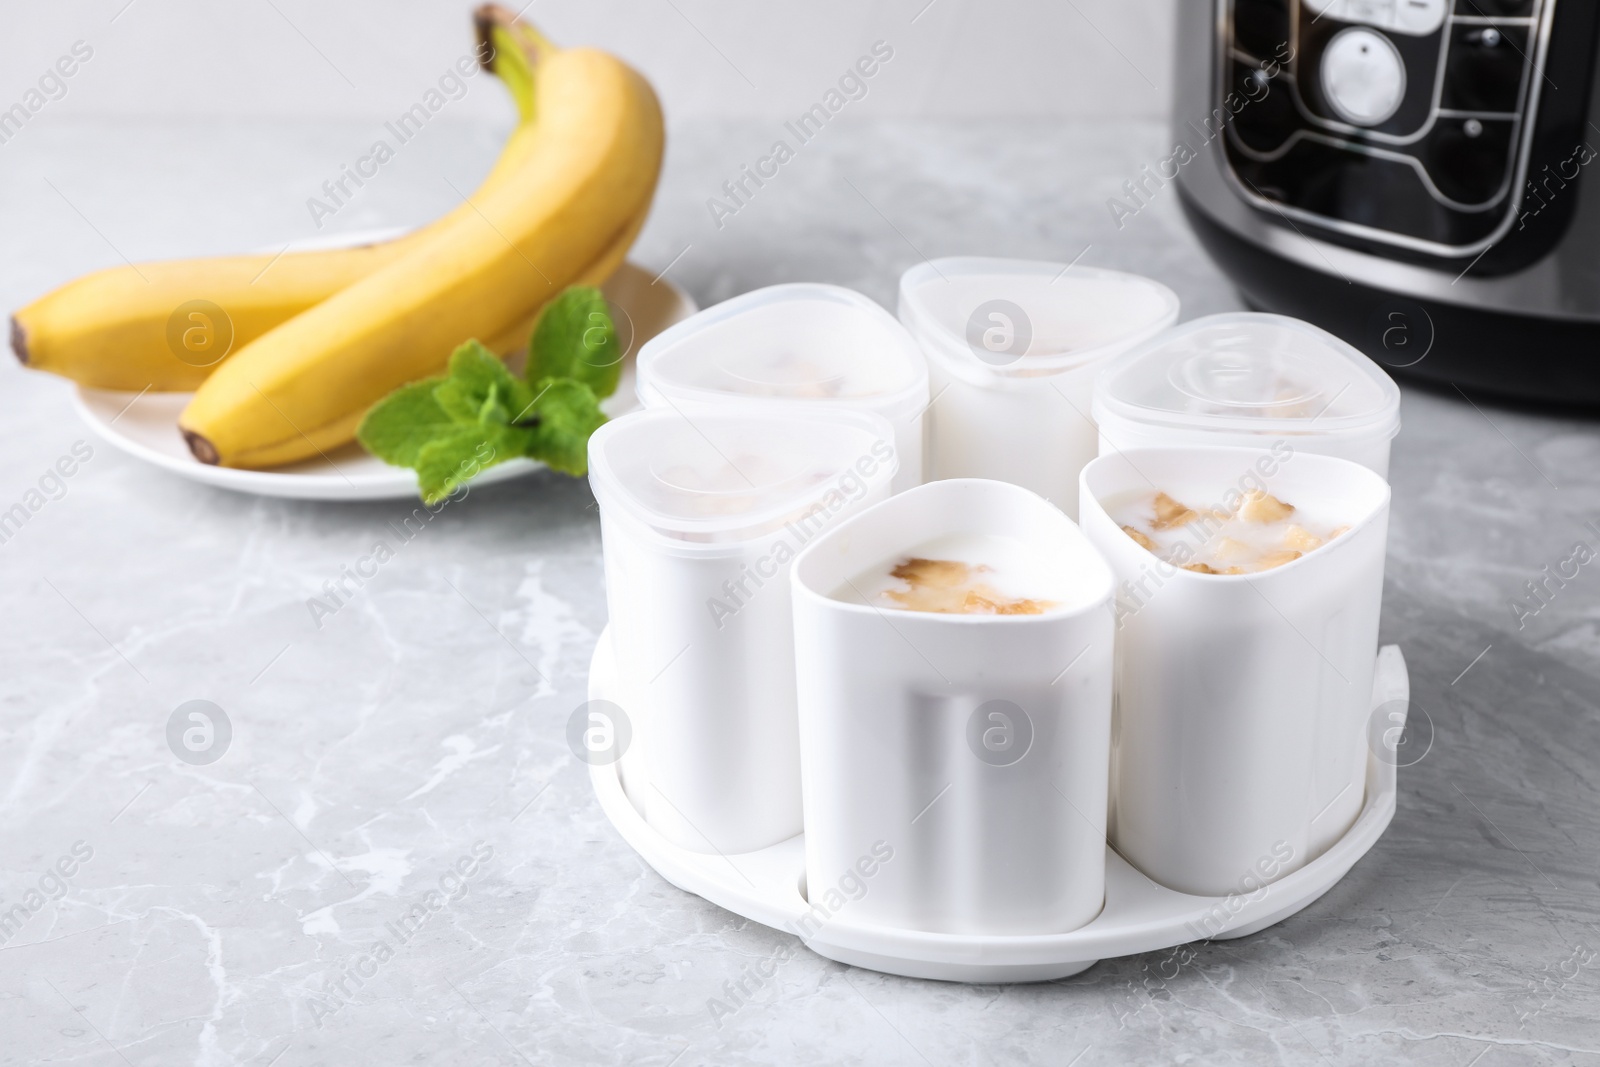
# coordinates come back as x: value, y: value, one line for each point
x: 1015, y: 318
x: 1253, y: 373
x: 798, y: 342
x: 729, y: 476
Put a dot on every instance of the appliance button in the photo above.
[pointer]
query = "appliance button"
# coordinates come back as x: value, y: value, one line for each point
x: 1503, y: 9
x: 1469, y: 159
x: 1371, y: 12
x: 1483, y: 71
x: 1414, y: 17
x: 1363, y: 76
x: 1420, y: 17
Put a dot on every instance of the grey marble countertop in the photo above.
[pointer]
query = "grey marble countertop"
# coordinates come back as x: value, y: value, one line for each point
x: 210, y: 909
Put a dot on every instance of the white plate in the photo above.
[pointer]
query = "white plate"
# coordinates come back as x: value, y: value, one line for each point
x: 1139, y: 915
x: 146, y: 426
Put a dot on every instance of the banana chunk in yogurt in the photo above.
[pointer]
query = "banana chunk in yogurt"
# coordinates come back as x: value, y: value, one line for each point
x: 965, y: 575
x: 1259, y: 533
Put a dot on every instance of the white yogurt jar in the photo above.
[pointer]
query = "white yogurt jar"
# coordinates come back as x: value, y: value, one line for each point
x: 1242, y: 698
x: 1013, y: 349
x: 1250, y: 380
x: 803, y: 344
x: 701, y: 517
x: 964, y: 753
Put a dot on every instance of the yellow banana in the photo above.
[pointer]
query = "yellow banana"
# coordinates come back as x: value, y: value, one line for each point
x: 344, y: 429
x: 165, y: 326
x: 514, y: 340
x: 301, y: 388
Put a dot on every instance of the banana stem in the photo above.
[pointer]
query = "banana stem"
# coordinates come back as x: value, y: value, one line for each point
x: 511, y: 50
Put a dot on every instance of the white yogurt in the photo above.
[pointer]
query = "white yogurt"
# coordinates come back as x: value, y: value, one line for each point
x: 1242, y: 701
x: 1249, y: 380
x: 792, y: 347
x: 700, y: 521
x: 1013, y: 348
x: 1235, y: 534
x: 966, y: 574
x: 972, y: 750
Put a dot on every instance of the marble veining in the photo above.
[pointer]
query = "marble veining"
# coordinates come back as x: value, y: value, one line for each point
x: 398, y: 774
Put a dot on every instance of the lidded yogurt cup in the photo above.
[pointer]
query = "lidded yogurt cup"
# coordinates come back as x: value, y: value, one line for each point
x: 1013, y: 349
x: 1243, y: 699
x: 701, y: 516
x: 956, y: 756
x: 1249, y: 379
x: 803, y: 344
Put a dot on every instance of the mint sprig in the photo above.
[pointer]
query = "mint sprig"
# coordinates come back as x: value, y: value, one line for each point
x: 478, y: 414
x: 575, y: 338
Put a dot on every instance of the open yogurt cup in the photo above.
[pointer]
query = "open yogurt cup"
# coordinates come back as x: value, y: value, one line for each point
x: 701, y: 516
x: 1246, y: 638
x: 1248, y: 380
x: 1013, y: 349
x: 955, y: 732
x: 802, y: 344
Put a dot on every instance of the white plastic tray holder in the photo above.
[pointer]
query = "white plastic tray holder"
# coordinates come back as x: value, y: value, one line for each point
x: 767, y: 886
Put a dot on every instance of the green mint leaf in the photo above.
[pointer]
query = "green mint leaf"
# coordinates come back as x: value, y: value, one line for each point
x: 568, y: 412
x: 479, y: 390
x: 446, y: 462
x: 397, y: 427
x: 575, y: 338
x: 450, y: 429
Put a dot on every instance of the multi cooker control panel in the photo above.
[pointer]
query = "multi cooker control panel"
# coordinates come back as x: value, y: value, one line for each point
x: 1399, y: 122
